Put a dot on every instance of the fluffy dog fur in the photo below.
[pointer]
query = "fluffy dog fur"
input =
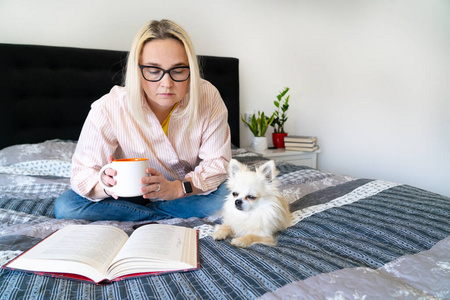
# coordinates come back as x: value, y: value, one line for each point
x: 255, y: 210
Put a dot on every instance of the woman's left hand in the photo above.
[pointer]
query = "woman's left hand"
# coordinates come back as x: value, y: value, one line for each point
x: 160, y: 187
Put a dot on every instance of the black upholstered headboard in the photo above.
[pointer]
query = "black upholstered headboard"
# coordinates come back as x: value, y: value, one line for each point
x: 46, y: 92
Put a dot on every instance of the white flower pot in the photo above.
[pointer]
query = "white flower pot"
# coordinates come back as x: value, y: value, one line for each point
x: 259, y: 143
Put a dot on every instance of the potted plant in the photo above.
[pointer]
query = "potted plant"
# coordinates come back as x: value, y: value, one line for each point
x: 258, y: 126
x: 279, y: 118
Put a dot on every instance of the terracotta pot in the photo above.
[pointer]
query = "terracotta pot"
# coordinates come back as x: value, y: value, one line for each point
x: 278, y: 139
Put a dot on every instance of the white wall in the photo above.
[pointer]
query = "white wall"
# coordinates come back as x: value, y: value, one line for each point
x: 369, y: 78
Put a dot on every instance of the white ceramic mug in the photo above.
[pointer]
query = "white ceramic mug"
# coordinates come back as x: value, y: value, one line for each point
x: 128, y: 178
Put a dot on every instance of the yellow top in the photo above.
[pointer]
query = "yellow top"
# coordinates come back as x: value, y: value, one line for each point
x: 165, y: 123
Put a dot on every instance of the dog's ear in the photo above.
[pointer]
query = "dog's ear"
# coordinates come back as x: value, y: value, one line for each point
x: 235, y: 167
x: 269, y: 170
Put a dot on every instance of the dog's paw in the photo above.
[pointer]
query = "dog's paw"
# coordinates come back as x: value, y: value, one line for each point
x: 218, y: 236
x: 222, y: 233
x: 241, y: 242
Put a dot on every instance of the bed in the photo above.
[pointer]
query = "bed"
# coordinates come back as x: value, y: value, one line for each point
x: 351, y: 238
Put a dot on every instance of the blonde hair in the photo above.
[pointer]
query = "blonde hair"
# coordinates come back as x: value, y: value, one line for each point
x: 153, y: 30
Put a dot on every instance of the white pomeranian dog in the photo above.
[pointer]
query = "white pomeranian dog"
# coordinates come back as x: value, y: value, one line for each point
x: 255, y: 209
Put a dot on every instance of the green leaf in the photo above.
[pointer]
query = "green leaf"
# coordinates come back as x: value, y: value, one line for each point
x: 282, y: 93
x: 282, y: 105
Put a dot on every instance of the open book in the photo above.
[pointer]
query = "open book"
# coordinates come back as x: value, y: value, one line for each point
x: 103, y: 254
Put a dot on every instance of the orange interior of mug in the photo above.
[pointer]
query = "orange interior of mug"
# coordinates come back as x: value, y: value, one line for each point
x: 131, y: 159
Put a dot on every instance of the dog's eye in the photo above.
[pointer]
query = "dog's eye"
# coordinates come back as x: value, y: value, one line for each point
x: 250, y: 197
x: 235, y: 194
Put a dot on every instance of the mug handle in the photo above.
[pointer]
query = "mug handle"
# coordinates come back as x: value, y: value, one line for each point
x: 106, y: 187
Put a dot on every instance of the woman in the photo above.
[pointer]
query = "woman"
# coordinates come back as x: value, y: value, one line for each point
x: 165, y: 113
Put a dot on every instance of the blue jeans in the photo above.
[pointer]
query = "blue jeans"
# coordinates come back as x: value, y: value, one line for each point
x: 70, y: 205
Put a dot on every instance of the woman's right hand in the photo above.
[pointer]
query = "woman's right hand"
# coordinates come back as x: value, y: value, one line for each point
x: 107, y: 177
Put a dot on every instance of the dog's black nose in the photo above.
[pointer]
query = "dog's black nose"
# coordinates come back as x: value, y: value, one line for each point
x: 238, y: 204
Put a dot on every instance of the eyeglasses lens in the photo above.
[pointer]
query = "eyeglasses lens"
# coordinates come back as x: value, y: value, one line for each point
x: 156, y: 74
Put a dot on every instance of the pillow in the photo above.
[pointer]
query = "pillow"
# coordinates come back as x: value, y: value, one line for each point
x: 58, y: 150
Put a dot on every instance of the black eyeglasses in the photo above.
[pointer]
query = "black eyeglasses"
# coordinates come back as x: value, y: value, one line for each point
x: 155, y: 74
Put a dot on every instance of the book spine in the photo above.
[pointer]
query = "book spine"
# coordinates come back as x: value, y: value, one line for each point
x: 294, y: 140
x: 297, y: 144
x: 301, y: 149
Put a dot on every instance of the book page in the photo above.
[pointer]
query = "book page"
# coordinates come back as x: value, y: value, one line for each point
x: 95, y: 245
x: 161, y: 244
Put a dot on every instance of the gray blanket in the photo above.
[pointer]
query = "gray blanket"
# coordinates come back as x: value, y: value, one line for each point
x: 350, y: 238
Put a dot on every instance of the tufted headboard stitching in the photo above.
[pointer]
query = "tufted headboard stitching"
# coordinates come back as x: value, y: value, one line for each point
x: 46, y: 92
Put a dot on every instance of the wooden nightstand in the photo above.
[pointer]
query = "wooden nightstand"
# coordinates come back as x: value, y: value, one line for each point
x: 295, y: 157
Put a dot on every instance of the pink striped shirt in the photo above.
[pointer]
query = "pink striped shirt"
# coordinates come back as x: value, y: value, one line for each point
x: 201, y: 154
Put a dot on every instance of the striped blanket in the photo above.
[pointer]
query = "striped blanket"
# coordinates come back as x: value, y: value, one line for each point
x: 350, y: 238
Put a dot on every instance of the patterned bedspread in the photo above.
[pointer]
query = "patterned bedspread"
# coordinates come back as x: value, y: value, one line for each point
x: 351, y: 238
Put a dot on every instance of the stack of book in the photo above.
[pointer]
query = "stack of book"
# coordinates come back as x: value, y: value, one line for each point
x: 300, y: 143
